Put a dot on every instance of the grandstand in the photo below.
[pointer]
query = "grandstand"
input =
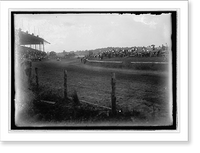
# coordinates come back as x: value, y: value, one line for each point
x: 31, y: 46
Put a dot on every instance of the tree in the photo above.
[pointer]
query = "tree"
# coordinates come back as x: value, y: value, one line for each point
x: 64, y: 53
x: 90, y: 53
x: 52, y: 54
x: 153, y: 47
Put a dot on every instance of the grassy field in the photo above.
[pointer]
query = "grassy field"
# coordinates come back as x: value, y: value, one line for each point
x: 142, y: 96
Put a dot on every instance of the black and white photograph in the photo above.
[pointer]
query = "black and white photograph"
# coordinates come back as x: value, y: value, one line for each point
x: 93, y: 69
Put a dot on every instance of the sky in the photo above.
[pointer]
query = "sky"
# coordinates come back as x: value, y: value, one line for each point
x: 72, y: 32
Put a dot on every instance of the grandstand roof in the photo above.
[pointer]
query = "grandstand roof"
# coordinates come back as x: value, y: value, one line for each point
x: 27, y: 39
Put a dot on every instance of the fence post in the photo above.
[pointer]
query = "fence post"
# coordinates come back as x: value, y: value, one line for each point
x: 113, y: 97
x: 75, y: 98
x: 36, y: 77
x: 65, y: 84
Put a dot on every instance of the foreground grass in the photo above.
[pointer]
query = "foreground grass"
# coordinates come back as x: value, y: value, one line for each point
x: 70, y: 111
x: 142, y: 98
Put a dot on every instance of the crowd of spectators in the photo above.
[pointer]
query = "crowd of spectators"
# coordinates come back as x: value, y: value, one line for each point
x: 149, y: 51
x: 32, y: 54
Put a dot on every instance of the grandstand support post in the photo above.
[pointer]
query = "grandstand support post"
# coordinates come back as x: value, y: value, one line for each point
x: 113, y: 97
x: 43, y: 47
x: 36, y: 77
x: 65, y: 84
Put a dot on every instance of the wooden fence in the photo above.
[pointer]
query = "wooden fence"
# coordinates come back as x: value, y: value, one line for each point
x: 121, y: 62
x: 96, y: 61
x: 113, y: 93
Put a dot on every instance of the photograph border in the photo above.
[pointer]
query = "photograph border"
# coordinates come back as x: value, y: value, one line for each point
x: 173, y: 126
x: 181, y: 135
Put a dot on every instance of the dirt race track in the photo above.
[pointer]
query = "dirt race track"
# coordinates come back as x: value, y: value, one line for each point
x: 143, y: 92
